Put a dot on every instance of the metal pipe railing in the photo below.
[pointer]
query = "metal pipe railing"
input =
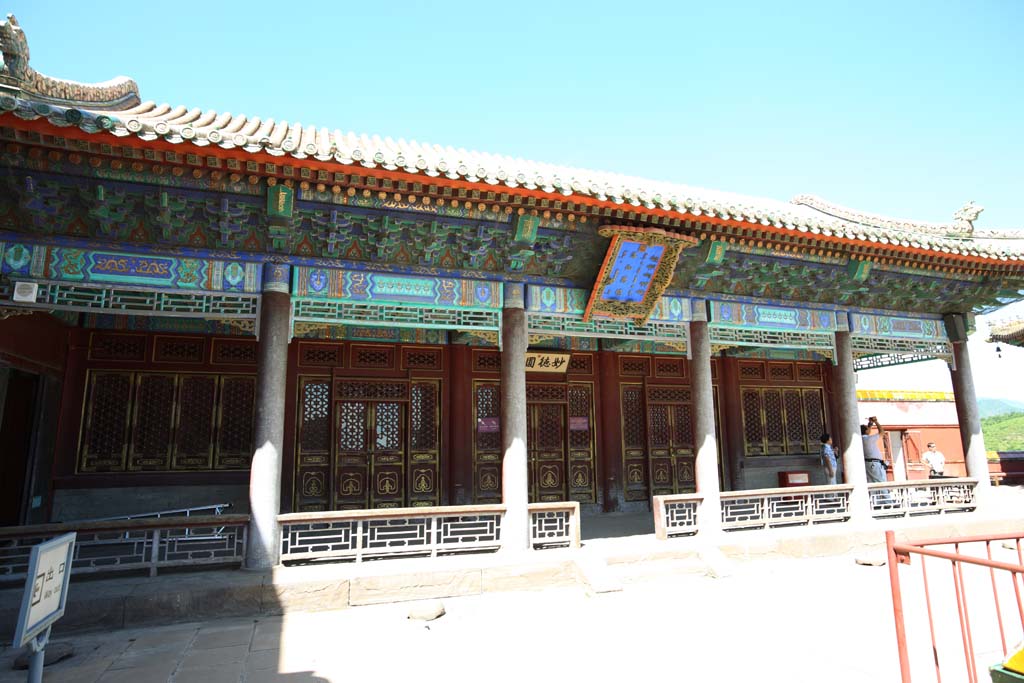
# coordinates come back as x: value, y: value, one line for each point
x: 901, y: 553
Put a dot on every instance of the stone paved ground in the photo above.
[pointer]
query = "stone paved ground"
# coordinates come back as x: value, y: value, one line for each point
x: 771, y: 620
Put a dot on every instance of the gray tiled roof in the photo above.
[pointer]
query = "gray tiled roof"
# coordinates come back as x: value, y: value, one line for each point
x: 148, y: 121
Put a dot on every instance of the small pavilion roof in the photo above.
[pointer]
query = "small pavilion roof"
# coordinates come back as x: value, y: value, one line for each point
x: 1007, y: 332
x: 115, y: 108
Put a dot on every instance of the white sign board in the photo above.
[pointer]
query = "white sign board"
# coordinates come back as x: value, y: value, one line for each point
x: 46, y: 588
x: 26, y: 292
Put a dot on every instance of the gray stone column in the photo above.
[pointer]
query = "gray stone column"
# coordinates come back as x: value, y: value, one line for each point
x: 970, y: 420
x: 264, y: 545
x: 515, y: 490
x: 847, y: 429
x: 709, y: 515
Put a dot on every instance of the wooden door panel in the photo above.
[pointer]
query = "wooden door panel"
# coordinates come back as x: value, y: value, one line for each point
x: 313, y: 458
x: 546, y: 444
x: 352, y: 466
x: 634, y: 442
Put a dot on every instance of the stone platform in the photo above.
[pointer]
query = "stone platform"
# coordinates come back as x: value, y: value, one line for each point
x: 612, y: 555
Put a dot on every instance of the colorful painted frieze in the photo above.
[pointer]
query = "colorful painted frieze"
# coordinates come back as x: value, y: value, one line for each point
x: 897, y: 327
x: 171, y: 272
x: 770, y: 317
x: 386, y: 288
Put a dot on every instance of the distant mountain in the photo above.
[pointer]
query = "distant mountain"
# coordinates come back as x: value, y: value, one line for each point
x: 999, y: 406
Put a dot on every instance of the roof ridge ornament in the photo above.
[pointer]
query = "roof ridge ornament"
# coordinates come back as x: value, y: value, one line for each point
x: 961, y: 227
x: 16, y: 76
x: 963, y: 219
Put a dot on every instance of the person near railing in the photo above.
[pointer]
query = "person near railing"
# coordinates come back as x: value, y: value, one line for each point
x: 874, y: 464
x: 935, y: 460
x: 828, y: 459
x: 871, y: 436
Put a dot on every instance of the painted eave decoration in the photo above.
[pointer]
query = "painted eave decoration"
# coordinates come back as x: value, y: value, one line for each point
x: 116, y: 108
x: 637, y: 268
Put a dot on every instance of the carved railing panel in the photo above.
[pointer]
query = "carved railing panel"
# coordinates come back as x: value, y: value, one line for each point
x: 429, y: 531
x: 922, y: 497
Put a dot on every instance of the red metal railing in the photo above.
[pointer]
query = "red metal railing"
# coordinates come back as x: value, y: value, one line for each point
x: 901, y: 553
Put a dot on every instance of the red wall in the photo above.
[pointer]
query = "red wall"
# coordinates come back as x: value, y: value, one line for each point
x: 36, y: 342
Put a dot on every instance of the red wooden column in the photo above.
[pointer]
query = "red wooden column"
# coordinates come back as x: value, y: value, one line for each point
x: 610, y: 444
x: 460, y: 412
x: 264, y: 544
x: 515, y: 492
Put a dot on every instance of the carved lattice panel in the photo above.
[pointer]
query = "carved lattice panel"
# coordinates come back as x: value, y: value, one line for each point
x: 486, y: 442
x: 423, y: 429
x: 658, y: 426
x: 580, y: 422
x: 313, y: 461
x: 634, y: 442
x: 814, y: 409
x: 194, y: 429
x: 370, y: 390
x: 372, y: 357
x: 635, y: 366
x: 418, y: 358
x: 546, y: 448
x: 581, y: 363
x: 179, y: 349
x: 796, y: 429
x: 352, y: 468
x: 752, y: 371
x: 807, y: 372
x: 424, y: 485
x: 668, y: 367
x: 120, y: 347
x: 234, y: 352
x: 153, y: 422
x: 664, y: 393
x: 319, y: 355
x: 235, y: 422
x: 387, y: 433
x: 541, y: 392
x: 774, y: 422
x: 682, y: 427
x: 104, y: 443
x: 486, y: 361
x: 753, y: 422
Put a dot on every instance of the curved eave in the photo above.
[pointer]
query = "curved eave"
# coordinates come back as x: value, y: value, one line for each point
x: 1008, y: 333
x: 226, y: 135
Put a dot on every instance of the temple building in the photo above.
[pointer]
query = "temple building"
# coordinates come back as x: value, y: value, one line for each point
x: 198, y: 307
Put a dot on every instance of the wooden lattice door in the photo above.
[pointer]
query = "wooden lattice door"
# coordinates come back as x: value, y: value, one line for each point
x: 371, y: 450
x: 670, y: 439
x: 376, y: 445
x: 546, y: 431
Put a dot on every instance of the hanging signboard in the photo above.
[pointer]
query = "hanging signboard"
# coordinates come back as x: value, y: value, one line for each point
x: 542, y: 361
x: 46, y: 588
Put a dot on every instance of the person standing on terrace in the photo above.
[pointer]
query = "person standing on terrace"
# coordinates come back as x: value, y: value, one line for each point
x: 871, y: 435
x: 828, y: 459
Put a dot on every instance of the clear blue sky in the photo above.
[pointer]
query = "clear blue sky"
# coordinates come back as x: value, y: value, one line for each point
x: 901, y: 108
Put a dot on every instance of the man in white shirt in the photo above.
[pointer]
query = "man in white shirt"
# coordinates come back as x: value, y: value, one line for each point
x: 935, y: 460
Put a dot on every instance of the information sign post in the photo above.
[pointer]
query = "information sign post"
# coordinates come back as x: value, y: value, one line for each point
x: 46, y: 594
